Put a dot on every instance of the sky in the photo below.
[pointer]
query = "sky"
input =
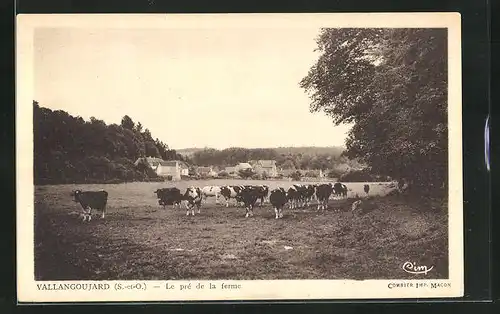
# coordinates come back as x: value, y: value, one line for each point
x: 225, y: 87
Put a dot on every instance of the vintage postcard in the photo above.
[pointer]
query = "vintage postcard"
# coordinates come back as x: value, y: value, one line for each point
x: 205, y: 157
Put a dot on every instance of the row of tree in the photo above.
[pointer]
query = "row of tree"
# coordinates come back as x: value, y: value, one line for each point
x: 70, y: 149
x: 392, y: 85
x: 289, y: 160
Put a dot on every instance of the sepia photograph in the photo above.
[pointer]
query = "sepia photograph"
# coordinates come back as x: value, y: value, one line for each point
x: 236, y: 156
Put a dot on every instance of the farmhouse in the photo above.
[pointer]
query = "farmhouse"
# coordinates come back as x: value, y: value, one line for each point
x: 171, y: 168
x: 266, y: 166
x: 152, y: 161
x: 184, y: 168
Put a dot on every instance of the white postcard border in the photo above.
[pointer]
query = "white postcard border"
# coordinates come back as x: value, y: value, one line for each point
x: 30, y: 290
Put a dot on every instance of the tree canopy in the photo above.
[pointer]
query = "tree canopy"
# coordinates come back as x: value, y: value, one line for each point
x: 288, y: 158
x: 391, y: 84
x: 70, y: 149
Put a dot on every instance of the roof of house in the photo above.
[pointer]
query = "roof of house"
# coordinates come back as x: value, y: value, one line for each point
x: 168, y: 163
x: 182, y: 164
x: 267, y: 163
x: 153, y: 159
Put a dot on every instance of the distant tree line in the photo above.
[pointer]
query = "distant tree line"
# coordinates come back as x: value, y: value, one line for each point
x: 69, y: 149
x: 287, y: 159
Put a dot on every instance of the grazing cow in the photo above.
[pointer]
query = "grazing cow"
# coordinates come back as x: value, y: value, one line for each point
x: 310, y: 190
x: 297, y: 195
x: 91, y: 200
x: 367, y: 189
x: 344, y: 190
x: 323, y: 192
x: 278, y: 199
x: 169, y: 196
x: 293, y: 196
x: 338, y: 189
x: 211, y: 191
x: 229, y: 192
x: 193, y: 196
x: 263, y: 192
x: 248, y: 196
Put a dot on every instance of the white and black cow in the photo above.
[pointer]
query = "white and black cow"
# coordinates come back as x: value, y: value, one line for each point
x: 309, y: 193
x: 263, y: 191
x: 323, y: 192
x: 229, y: 192
x: 91, y: 200
x: 339, y: 190
x: 293, y: 196
x: 193, y: 196
x: 248, y: 196
x: 297, y: 194
x: 169, y: 196
x: 278, y: 199
x: 211, y: 191
x: 344, y: 190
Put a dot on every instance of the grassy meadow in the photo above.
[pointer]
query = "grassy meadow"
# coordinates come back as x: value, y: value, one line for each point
x: 138, y: 239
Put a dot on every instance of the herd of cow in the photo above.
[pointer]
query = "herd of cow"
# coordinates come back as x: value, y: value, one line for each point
x: 297, y: 196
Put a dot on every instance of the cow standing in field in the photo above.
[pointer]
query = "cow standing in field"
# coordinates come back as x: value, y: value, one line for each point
x: 278, y: 199
x: 297, y: 194
x: 367, y: 189
x: 91, y: 200
x: 248, y: 196
x: 229, y: 192
x: 263, y: 192
x: 309, y: 193
x: 193, y: 196
x: 169, y: 196
x: 211, y: 191
x: 344, y: 190
x: 293, y: 196
x: 338, y: 189
x: 323, y: 192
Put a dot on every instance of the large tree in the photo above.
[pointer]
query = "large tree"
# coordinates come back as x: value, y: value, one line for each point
x: 391, y: 84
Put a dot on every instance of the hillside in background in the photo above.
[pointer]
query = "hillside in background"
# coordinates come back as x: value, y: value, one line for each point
x: 188, y: 151
x: 304, y: 150
x: 69, y: 149
x: 334, y: 151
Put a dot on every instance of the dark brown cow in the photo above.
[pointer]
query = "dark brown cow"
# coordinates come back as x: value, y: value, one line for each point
x: 91, y: 200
